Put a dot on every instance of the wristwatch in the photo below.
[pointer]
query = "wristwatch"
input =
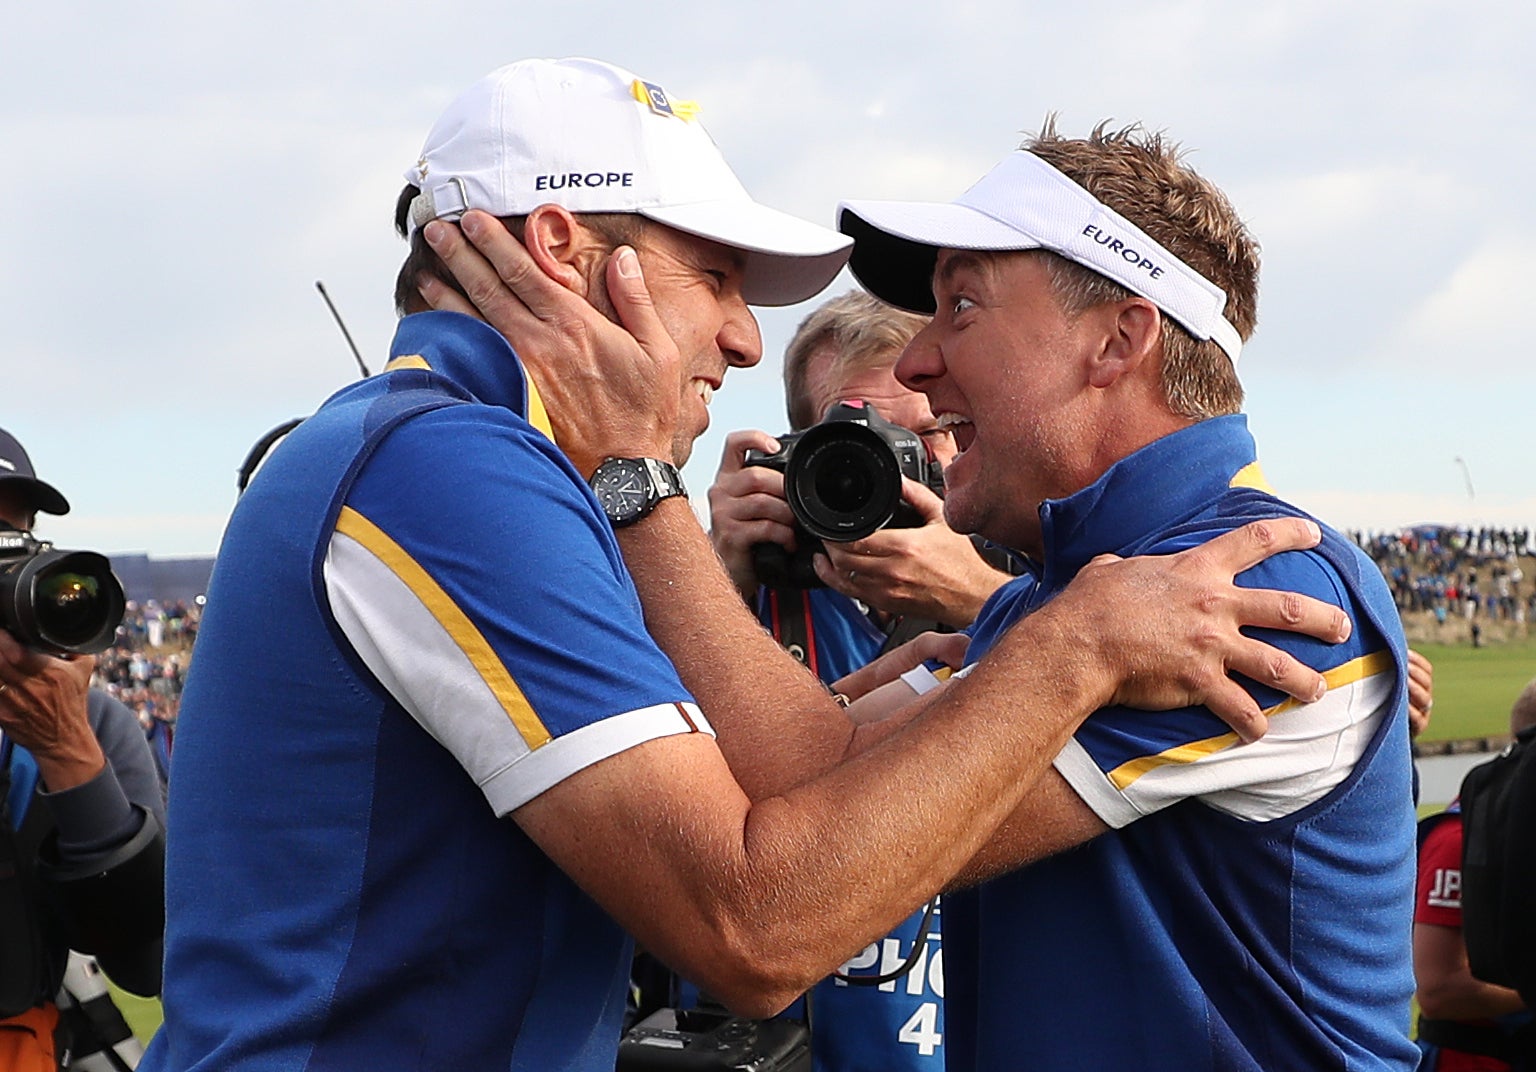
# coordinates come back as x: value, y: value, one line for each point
x: 629, y: 488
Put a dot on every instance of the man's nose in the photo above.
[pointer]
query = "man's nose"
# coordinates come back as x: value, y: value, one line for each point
x: 740, y: 340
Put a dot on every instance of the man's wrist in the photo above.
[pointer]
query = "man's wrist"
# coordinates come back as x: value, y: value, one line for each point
x: 1082, y: 667
x: 67, y: 767
x: 629, y: 489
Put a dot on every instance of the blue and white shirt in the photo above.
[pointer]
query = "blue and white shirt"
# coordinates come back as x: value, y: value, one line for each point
x: 419, y: 620
x: 1250, y: 906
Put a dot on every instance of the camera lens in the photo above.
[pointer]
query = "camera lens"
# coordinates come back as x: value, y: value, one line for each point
x: 61, y: 601
x: 842, y: 481
x: 69, y: 606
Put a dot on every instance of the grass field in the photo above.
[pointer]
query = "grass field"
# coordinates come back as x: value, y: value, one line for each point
x: 1474, y: 687
x: 143, y: 1014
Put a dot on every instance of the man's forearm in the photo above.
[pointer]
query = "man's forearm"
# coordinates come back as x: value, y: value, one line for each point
x: 777, y: 725
x: 817, y: 865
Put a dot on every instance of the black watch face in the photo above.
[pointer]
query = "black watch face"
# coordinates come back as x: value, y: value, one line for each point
x: 621, y: 487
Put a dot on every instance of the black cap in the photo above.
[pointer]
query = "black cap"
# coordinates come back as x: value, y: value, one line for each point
x: 16, y: 472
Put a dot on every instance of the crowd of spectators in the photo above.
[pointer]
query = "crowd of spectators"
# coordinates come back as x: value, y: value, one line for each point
x: 147, y: 666
x: 1449, y: 571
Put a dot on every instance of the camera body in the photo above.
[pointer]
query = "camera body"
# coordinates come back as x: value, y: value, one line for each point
x: 842, y: 480
x: 709, y: 1039
x: 60, y: 602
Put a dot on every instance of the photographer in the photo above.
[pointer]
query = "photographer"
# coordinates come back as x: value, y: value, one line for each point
x: 845, y: 350
x: 879, y: 590
x: 81, y: 815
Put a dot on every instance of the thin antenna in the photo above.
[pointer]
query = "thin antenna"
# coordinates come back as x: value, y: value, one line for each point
x: 1467, y: 475
x: 347, y: 334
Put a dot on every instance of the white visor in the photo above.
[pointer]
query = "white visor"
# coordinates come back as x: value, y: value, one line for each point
x: 1025, y: 203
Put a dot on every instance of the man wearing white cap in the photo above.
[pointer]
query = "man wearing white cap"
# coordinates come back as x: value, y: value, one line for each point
x: 421, y: 625
x: 1234, y: 907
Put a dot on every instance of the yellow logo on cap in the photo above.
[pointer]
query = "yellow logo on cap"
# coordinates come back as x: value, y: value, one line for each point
x: 655, y: 98
x: 421, y: 169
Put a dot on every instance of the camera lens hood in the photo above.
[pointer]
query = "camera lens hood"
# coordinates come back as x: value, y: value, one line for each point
x: 64, y: 602
x: 843, y: 481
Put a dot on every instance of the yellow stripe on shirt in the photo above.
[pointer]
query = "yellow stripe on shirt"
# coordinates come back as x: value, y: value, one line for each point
x: 1121, y: 777
x: 453, y: 620
x: 537, y: 415
x: 1251, y: 476
x: 408, y: 361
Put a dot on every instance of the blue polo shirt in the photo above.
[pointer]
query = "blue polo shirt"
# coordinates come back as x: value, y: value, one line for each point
x: 419, y: 620
x: 1250, y: 907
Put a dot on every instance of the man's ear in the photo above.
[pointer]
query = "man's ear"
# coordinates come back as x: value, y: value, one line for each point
x: 562, y: 248
x: 1133, y: 337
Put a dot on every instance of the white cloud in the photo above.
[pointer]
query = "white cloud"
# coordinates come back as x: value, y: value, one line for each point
x: 1474, y: 319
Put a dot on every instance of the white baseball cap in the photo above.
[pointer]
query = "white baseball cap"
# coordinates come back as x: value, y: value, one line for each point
x: 592, y: 137
x: 1025, y: 203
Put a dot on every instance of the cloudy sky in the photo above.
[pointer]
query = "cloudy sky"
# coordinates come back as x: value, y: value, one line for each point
x: 180, y: 174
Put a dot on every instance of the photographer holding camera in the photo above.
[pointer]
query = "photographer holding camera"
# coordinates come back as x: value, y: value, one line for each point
x: 838, y: 604
x: 81, y: 806
x: 846, y: 350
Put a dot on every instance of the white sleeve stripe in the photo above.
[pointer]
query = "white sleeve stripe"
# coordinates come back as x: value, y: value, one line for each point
x: 1304, y: 756
x: 1075, y: 765
x: 451, y: 619
x: 1192, y: 752
x: 533, y: 773
x: 417, y: 661
x: 431, y: 677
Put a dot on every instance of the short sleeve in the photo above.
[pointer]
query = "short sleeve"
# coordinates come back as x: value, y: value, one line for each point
x: 1126, y: 764
x: 474, y: 575
x: 1437, y: 898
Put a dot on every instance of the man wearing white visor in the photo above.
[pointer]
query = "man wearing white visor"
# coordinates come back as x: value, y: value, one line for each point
x: 433, y: 766
x: 1225, y: 906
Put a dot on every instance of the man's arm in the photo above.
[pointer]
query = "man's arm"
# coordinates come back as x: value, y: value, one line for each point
x: 761, y: 892
x: 1447, y: 989
x: 1421, y: 692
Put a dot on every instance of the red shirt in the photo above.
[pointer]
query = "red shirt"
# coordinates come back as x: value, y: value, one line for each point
x: 1438, y: 901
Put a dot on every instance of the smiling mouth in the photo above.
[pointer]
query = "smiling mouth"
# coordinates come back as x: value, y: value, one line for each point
x: 705, y: 390
x: 960, y: 427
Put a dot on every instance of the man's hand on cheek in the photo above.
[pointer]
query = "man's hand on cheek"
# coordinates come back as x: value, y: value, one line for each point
x: 610, y: 389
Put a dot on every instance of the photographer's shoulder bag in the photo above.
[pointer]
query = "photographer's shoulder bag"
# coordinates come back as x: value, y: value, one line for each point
x: 1498, y: 874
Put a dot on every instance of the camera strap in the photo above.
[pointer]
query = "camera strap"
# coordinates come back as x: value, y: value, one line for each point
x: 919, y: 944
x: 789, y: 616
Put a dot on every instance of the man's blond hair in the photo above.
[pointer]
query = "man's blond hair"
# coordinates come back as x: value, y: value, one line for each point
x: 864, y: 332
x: 1141, y: 175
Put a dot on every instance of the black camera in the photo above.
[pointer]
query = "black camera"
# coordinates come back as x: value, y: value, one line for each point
x: 842, y: 479
x: 709, y: 1039
x: 61, y: 602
